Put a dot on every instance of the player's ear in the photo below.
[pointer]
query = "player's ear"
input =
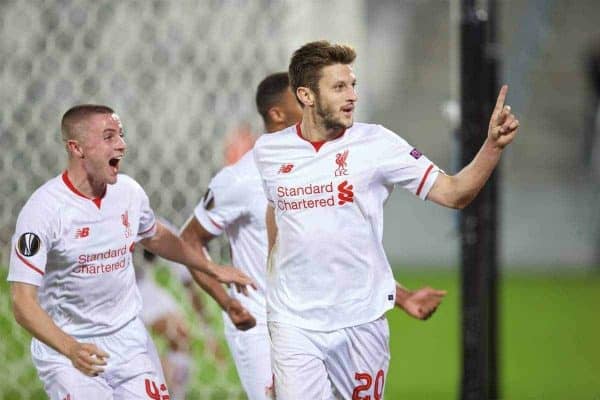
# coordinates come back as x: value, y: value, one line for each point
x: 276, y: 114
x: 74, y: 148
x: 306, y: 96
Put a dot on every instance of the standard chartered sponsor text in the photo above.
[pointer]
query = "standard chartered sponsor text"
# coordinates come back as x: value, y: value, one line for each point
x: 285, y: 192
x: 93, y: 264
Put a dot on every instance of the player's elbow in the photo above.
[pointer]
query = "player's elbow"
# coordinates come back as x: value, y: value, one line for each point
x: 452, y: 199
x: 20, y: 304
x: 461, y: 202
x: 448, y: 191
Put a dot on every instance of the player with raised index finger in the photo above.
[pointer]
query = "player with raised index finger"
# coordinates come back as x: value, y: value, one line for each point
x: 326, y: 180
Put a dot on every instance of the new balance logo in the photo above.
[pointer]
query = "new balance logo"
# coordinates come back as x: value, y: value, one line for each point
x: 286, y: 168
x: 82, y: 233
x: 346, y: 194
x: 340, y: 160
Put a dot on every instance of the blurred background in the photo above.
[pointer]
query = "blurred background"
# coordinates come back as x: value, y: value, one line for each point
x: 182, y: 75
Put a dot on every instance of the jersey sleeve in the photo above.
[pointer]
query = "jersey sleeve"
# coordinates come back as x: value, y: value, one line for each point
x: 403, y: 165
x: 222, y: 204
x: 260, y: 166
x: 147, y: 225
x: 31, y: 242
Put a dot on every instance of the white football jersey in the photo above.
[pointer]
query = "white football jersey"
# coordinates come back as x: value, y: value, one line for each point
x: 328, y: 269
x: 79, y: 252
x: 235, y: 203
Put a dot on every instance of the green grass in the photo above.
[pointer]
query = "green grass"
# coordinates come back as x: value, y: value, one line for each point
x: 549, y: 339
x: 550, y: 342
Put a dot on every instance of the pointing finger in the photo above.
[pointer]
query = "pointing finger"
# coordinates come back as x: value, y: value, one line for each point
x: 500, y: 101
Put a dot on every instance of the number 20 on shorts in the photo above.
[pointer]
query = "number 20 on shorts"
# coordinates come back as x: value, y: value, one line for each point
x: 366, y: 383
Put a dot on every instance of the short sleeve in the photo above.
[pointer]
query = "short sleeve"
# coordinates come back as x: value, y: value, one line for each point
x: 31, y: 243
x: 147, y: 225
x: 260, y: 166
x: 404, y: 165
x: 222, y: 204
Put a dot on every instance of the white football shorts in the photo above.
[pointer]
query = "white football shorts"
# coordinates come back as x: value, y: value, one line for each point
x: 350, y: 363
x: 133, y: 370
x: 251, y: 352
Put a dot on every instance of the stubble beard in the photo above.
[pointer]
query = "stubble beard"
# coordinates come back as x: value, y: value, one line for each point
x: 329, y: 121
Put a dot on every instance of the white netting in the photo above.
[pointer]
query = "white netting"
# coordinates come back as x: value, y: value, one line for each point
x: 180, y: 74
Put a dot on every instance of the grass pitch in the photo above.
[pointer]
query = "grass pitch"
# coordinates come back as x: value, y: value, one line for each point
x: 549, y: 339
x: 549, y: 342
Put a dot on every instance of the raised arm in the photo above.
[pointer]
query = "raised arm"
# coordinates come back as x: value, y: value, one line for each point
x: 197, y: 237
x: 459, y: 190
x: 167, y: 245
x: 86, y: 357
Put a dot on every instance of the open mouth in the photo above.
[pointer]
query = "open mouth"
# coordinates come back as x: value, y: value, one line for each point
x: 348, y: 109
x: 114, y: 162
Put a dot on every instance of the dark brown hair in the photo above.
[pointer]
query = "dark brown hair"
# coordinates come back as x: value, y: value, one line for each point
x: 269, y: 92
x: 308, y: 61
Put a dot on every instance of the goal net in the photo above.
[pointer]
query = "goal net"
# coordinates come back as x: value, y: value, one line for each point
x: 181, y: 74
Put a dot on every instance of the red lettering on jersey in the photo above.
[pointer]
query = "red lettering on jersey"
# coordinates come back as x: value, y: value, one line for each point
x: 345, y: 195
x: 286, y: 168
x: 82, y: 232
x: 125, y: 219
x: 125, y: 222
x: 340, y: 160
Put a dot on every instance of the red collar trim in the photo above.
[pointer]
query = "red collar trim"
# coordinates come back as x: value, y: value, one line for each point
x: 97, y: 201
x: 317, y: 145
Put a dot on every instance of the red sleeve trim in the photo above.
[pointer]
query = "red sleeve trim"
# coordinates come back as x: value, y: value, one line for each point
x: 148, y: 230
x: 215, y: 224
x: 424, y: 179
x: 30, y: 265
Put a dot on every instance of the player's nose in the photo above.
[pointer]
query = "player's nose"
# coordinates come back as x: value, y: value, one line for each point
x: 121, y: 144
x: 353, y: 95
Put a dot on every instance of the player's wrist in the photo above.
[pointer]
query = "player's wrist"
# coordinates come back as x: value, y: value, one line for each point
x: 402, y: 295
x: 69, y: 346
x: 493, y: 145
x: 210, y: 269
x: 228, y: 303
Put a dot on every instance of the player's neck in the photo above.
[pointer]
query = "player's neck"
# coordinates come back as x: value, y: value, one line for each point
x: 274, y: 127
x: 84, y: 183
x: 313, y: 131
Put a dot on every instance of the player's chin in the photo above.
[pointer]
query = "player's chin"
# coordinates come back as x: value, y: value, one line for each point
x: 112, y: 177
x: 347, y: 119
